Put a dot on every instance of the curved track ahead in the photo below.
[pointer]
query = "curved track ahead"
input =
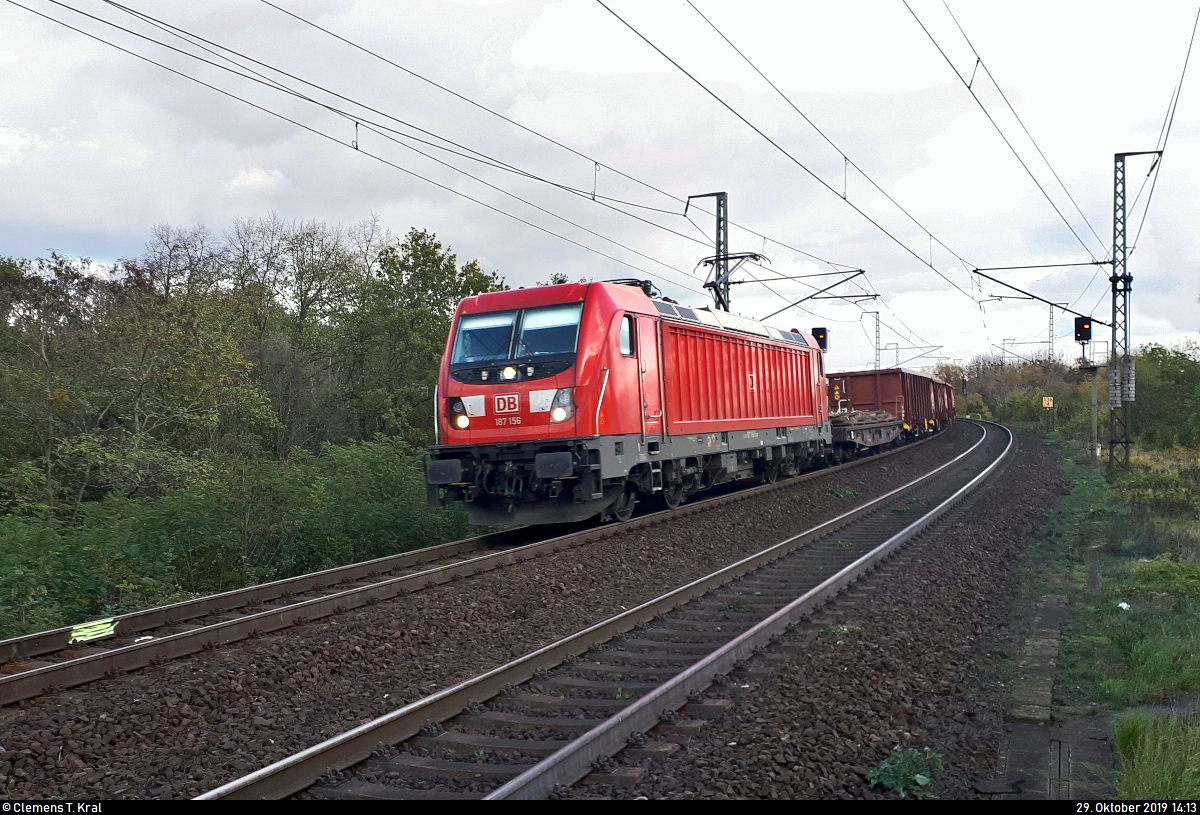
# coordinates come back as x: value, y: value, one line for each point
x: 66, y: 657
x: 571, y: 713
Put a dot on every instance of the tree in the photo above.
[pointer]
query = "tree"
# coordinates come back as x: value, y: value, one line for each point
x: 45, y: 377
x: 184, y: 263
x: 1167, y: 410
x: 392, y: 342
x: 557, y: 279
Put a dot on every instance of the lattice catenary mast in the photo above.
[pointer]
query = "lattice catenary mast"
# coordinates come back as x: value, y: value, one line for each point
x: 1121, y: 390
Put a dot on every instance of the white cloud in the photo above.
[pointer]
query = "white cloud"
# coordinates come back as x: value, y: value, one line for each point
x: 807, y: 47
x: 95, y: 146
x: 957, y: 171
x: 12, y: 144
x: 255, y: 179
x: 577, y: 35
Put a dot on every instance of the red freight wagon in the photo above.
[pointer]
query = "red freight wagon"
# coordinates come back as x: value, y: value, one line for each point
x: 922, y: 403
x: 563, y: 402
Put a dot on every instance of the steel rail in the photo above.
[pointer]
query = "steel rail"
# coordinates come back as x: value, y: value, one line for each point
x: 575, y: 760
x: 155, y: 650
x: 292, y: 774
x: 28, y: 646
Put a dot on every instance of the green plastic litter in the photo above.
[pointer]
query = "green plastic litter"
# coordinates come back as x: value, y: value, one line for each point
x: 93, y: 630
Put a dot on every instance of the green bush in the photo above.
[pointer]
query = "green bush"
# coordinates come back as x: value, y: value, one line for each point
x: 1157, y: 491
x: 906, y: 771
x: 259, y: 521
x: 1165, y: 575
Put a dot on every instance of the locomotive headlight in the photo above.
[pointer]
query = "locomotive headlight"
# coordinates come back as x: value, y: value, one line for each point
x: 563, y: 406
x: 458, y: 414
x: 509, y: 372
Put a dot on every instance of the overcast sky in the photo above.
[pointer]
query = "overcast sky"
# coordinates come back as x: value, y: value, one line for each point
x: 97, y: 145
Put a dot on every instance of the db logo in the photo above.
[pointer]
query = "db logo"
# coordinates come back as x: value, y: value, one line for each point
x: 508, y: 403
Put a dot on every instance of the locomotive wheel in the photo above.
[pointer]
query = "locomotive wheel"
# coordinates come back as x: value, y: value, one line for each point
x: 770, y: 473
x: 622, y: 510
x: 672, y: 496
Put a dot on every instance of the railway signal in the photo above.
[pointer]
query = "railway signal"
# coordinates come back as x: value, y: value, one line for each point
x: 822, y: 338
x: 1083, y: 329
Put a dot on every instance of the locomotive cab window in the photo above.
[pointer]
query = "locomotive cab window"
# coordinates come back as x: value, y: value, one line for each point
x: 484, y: 337
x: 549, y: 330
x: 627, y: 335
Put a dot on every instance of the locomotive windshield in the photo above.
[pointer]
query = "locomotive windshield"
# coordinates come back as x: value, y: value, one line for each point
x: 484, y: 337
x: 532, y: 332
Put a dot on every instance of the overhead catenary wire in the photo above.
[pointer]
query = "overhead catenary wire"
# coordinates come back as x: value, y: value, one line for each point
x: 981, y: 64
x: 788, y: 154
x: 593, y: 160
x: 336, y: 140
x: 470, y: 153
x: 284, y: 89
x: 462, y: 97
x: 262, y: 79
x: 359, y: 120
x: 1156, y: 167
x: 1005, y: 138
x: 1166, y: 132
x: 190, y: 37
x: 1141, y: 188
x: 848, y: 162
x: 460, y: 149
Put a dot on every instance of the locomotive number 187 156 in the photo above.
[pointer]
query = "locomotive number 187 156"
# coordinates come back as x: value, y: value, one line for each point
x: 503, y: 421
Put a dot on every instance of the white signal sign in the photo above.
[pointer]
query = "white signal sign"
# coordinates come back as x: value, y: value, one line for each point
x: 508, y: 403
x: 1047, y: 402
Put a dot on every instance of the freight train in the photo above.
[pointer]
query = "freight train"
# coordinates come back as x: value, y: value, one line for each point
x: 562, y: 403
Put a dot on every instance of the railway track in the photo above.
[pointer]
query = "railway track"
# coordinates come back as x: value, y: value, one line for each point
x: 548, y: 718
x: 49, y: 661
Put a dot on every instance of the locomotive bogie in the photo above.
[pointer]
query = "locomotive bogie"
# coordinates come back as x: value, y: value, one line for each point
x: 531, y: 483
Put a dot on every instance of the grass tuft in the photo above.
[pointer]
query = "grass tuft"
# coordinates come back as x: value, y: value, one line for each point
x: 1160, y: 756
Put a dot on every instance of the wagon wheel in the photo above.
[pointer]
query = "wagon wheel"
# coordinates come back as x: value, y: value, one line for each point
x: 622, y: 510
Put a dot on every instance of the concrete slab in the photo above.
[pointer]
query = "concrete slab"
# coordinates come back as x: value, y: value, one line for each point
x: 1031, y: 693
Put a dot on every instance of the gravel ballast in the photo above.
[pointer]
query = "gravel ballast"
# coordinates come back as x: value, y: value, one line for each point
x: 182, y: 728
x: 901, y: 659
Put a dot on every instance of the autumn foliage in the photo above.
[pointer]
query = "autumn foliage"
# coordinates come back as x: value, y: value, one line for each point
x: 222, y: 409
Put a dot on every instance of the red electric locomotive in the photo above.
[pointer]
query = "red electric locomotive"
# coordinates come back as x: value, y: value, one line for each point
x: 560, y: 403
